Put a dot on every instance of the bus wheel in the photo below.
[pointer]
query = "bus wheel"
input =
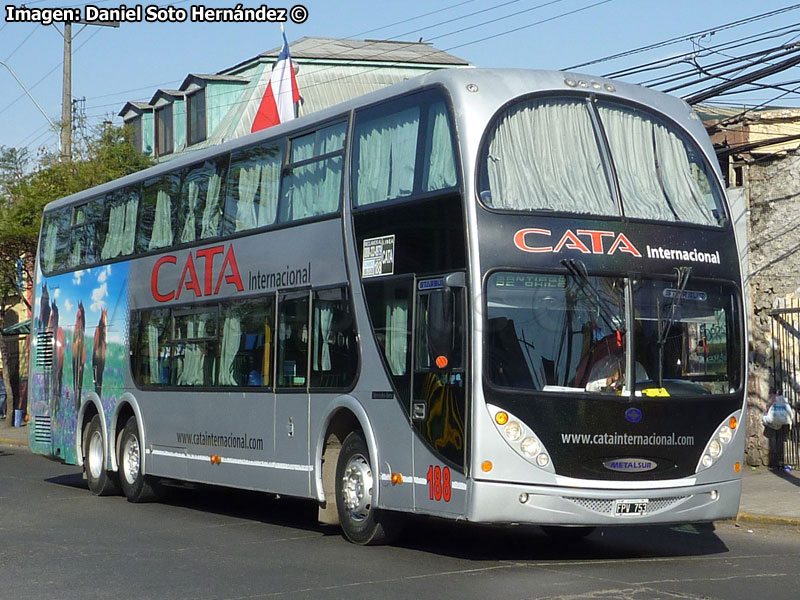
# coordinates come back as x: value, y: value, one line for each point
x: 567, y: 534
x: 135, y: 485
x: 361, y: 522
x: 101, y: 482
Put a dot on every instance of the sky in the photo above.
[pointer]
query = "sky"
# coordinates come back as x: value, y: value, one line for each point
x: 114, y: 65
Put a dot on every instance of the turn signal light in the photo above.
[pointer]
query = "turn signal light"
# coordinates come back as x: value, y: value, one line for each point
x: 397, y: 479
x: 737, y: 467
x: 733, y: 423
x: 441, y: 361
x: 487, y: 466
x: 216, y: 459
x: 501, y: 418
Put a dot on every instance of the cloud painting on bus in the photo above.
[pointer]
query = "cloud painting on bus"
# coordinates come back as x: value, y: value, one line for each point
x: 78, y: 346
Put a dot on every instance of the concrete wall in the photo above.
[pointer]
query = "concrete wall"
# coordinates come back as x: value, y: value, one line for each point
x: 774, y: 242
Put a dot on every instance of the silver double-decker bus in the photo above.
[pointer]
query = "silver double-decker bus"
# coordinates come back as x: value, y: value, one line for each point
x: 498, y: 296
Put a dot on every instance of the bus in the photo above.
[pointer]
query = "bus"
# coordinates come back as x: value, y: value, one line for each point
x: 497, y: 296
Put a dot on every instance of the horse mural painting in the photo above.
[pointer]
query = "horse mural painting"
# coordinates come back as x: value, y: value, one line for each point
x: 99, y: 352
x: 78, y: 354
x: 54, y: 384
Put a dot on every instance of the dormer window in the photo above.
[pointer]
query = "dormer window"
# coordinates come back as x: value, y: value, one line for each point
x: 196, y: 117
x: 165, y: 140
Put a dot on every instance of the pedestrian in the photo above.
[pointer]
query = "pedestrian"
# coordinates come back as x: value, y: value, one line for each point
x: 2, y: 396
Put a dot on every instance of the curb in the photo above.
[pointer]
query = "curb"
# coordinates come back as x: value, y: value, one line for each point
x: 745, y: 517
x: 13, y: 442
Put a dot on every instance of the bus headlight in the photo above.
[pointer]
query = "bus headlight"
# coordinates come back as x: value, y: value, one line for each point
x: 718, y: 442
x: 530, y: 446
x: 513, y: 431
x: 521, y: 438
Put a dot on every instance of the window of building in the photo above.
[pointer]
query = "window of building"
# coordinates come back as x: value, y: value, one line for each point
x: 165, y: 135
x: 196, y: 117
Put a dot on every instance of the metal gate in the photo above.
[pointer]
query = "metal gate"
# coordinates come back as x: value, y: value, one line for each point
x: 786, y: 375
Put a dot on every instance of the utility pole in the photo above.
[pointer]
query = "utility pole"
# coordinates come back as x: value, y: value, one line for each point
x: 66, y: 87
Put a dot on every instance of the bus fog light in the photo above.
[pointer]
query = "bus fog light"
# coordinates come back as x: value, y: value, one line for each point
x: 725, y: 434
x: 530, y: 446
x: 707, y: 461
x: 714, y: 494
x: 714, y: 448
x: 523, y: 498
x: 542, y: 460
x: 513, y: 431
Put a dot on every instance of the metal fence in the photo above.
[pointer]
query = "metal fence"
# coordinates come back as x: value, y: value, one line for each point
x: 786, y: 374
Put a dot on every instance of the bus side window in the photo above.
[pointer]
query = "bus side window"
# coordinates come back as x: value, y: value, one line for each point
x: 55, y: 240
x: 150, y: 348
x: 335, y: 356
x: 253, y: 187
x: 120, y: 219
x: 293, y: 334
x: 200, y: 203
x: 247, y: 343
x: 156, y: 212
x: 312, y: 185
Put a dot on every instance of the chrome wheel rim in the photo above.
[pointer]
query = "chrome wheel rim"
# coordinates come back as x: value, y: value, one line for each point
x: 95, y: 455
x: 357, y: 485
x: 131, y: 458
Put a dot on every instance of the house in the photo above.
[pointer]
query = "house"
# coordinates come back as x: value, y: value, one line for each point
x: 209, y: 109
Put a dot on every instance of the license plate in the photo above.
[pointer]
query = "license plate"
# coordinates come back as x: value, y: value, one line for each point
x: 630, y: 508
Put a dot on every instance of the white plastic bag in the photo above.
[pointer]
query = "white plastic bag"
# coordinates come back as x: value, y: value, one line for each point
x: 779, y: 414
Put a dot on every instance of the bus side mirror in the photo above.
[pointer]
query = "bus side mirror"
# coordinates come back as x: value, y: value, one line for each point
x: 442, y: 331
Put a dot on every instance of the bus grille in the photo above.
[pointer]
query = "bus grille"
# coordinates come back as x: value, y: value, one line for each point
x: 42, y: 430
x: 44, y: 349
x: 605, y: 506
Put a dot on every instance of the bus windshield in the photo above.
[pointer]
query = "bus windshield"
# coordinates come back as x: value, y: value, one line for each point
x: 558, y: 333
x: 548, y: 154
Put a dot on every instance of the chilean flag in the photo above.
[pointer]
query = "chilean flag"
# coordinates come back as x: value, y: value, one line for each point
x: 277, y: 105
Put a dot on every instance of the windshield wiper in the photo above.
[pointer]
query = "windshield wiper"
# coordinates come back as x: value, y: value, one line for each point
x: 665, y: 322
x: 578, y: 272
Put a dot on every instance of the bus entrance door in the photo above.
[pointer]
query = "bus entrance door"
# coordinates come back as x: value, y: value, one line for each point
x: 438, y: 408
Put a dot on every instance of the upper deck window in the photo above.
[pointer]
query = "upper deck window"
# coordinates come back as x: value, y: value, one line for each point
x: 403, y: 148
x: 550, y: 154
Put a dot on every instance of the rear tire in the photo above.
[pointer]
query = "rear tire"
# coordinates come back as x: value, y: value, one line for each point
x: 101, y: 482
x: 356, y: 483
x: 136, y: 486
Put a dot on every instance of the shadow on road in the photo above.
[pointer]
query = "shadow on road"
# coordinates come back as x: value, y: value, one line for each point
x: 447, y: 538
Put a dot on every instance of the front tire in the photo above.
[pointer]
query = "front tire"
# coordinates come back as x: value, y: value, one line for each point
x: 100, y: 481
x: 136, y: 486
x: 356, y: 480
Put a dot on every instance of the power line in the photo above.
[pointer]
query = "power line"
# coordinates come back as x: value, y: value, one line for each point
x: 684, y: 38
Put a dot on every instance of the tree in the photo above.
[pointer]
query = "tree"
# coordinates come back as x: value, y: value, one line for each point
x: 109, y: 154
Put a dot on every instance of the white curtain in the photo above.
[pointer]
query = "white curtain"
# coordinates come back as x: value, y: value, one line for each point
x: 324, y: 320
x: 50, y: 243
x: 655, y: 175
x: 249, y: 178
x: 270, y: 189
x: 194, y: 357
x: 231, y: 339
x: 314, y: 189
x: 387, y: 150
x: 189, y: 231
x: 211, y: 212
x: 543, y: 156
x: 152, y: 347
x: 396, y: 336
x: 162, y: 225
x: 121, y: 229
x: 442, y: 168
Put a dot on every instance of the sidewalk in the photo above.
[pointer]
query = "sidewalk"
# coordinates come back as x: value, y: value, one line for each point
x: 767, y: 496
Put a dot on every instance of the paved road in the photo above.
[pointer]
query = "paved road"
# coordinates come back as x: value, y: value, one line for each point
x: 57, y: 541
